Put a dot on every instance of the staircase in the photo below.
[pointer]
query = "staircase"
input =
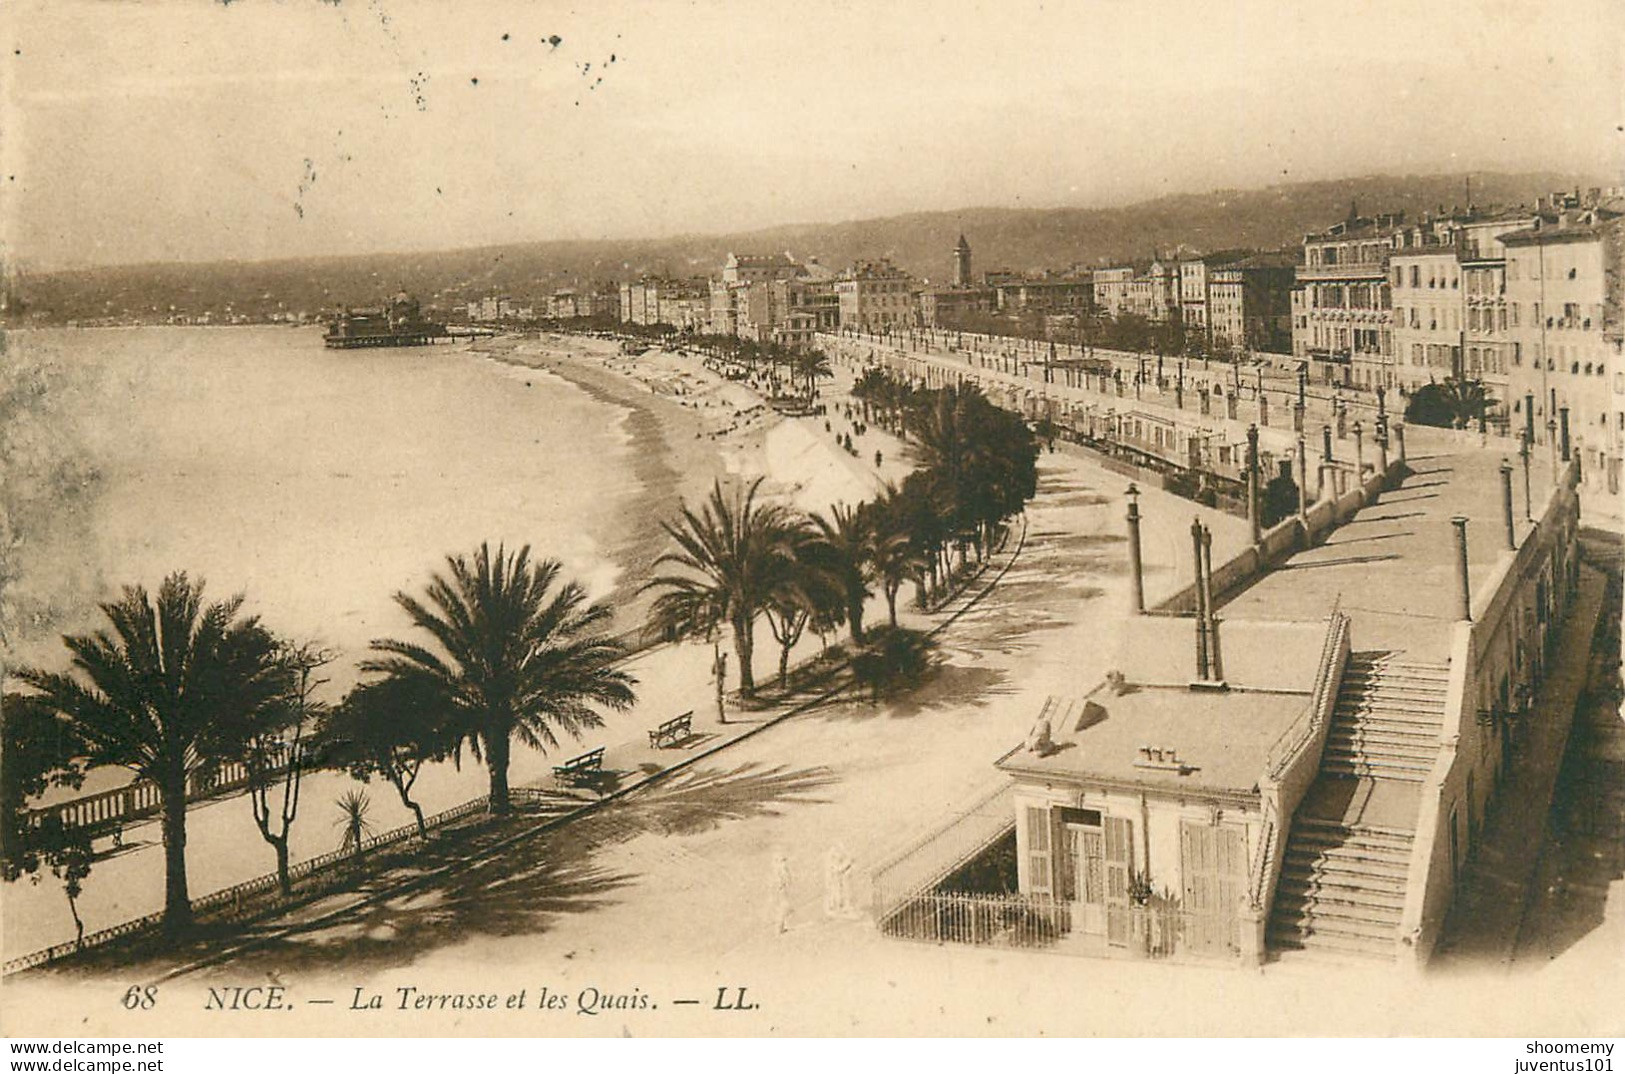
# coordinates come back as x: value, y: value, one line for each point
x: 1342, y: 890
x: 1343, y: 879
x: 1387, y: 720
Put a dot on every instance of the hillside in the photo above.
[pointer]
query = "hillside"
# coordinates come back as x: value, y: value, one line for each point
x: 920, y: 242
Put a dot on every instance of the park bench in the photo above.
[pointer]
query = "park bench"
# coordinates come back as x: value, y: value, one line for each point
x: 675, y: 730
x: 584, y: 769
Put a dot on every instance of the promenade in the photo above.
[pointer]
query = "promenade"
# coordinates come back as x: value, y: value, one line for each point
x: 1392, y: 568
x: 684, y: 868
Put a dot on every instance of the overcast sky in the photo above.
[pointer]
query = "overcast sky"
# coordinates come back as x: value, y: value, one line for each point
x: 196, y: 130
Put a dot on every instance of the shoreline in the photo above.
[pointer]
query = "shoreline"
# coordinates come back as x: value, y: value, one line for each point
x: 673, y: 460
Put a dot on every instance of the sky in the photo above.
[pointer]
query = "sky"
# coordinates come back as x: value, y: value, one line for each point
x: 196, y: 130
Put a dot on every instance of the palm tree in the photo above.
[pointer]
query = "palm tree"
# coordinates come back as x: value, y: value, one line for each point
x: 845, y: 555
x: 354, y: 805
x: 894, y: 554
x: 729, y: 551
x: 813, y: 365
x: 805, y: 593
x: 517, y: 657
x: 164, y: 694
x: 1466, y: 400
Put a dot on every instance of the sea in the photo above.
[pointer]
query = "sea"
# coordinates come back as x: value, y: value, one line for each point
x: 317, y: 484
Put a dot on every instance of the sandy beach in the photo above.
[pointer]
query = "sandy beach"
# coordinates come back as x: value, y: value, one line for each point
x: 689, y: 427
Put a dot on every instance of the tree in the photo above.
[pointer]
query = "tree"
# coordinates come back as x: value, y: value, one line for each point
x: 160, y: 694
x: 804, y: 593
x: 39, y: 753
x: 729, y: 550
x: 891, y: 655
x: 354, y: 805
x: 517, y: 657
x: 1449, y: 405
x: 274, y: 751
x: 843, y: 555
x: 813, y: 366
x: 894, y: 555
x: 387, y: 728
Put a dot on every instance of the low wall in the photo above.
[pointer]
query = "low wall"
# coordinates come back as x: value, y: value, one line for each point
x: 1496, y: 665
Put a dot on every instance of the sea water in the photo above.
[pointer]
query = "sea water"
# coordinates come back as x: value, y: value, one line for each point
x: 317, y: 483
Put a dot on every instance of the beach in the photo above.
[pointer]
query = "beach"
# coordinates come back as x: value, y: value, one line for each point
x: 318, y: 484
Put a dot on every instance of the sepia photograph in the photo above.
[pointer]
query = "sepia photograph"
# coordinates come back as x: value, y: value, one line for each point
x: 848, y: 520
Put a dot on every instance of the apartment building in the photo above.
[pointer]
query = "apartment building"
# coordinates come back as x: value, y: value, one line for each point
x: 1342, y: 304
x: 877, y: 295
x: 1249, y: 304
x: 1562, y: 277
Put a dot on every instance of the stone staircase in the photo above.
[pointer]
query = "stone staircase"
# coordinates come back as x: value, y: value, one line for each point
x: 1387, y: 720
x: 1342, y: 890
x: 1342, y: 887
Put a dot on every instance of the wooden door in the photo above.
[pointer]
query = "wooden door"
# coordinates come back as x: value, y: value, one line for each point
x: 1213, y: 868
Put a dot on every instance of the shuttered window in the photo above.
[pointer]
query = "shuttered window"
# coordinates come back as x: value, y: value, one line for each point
x: 1039, y: 879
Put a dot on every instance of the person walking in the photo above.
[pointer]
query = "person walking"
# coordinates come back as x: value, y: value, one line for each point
x: 781, y: 892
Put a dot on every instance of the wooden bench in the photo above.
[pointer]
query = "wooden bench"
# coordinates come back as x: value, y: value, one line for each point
x: 675, y: 730
x: 584, y: 769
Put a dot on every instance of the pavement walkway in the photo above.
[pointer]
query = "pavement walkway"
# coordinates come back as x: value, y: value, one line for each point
x: 1392, y: 568
x: 1493, y: 896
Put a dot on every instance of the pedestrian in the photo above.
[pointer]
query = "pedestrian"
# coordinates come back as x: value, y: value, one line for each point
x: 837, y: 882
x: 719, y: 669
x: 781, y: 892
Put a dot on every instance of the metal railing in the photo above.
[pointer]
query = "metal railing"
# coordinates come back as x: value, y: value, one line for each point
x: 932, y: 857
x: 1001, y: 920
x: 263, y: 893
x: 1043, y: 921
x: 1318, y: 712
x: 1259, y: 895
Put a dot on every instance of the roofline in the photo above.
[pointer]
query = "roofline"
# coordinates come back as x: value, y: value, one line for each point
x: 1230, y: 794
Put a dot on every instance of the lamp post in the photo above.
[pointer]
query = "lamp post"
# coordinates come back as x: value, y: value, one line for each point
x: 1136, y: 575
x: 1524, y: 452
x: 1463, y: 585
x: 1506, y: 503
x: 1253, y: 521
x: 1200, y: 591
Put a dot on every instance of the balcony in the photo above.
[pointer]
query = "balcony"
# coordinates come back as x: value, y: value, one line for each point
x: 1358, y: 270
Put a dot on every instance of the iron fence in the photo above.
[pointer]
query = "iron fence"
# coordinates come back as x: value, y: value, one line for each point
x: 259, y: 895
x: 1155, y: 931
x: 1001, y: 920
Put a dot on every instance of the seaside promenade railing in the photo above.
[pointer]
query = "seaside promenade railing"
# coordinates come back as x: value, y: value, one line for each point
x: 263, y: 894
x: 109, y: 811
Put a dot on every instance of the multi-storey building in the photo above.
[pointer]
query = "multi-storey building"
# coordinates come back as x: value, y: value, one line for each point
x: 743, y: 300
x: 877, y: 295
x: 1111, y: 289
x: 1563, y: 315
x: 1195, y: 281
x: 1151, y: 292
x: 948, y: 307
x: 1050, y: 293
x: 1248, y: 304
x: 683, y: 304
x: 1425, y: 286
x: 1342, y: 306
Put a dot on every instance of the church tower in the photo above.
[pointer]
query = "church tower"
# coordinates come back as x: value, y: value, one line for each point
x: 962, y: 263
